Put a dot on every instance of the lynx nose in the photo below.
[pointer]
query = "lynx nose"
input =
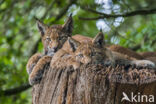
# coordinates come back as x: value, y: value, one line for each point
x: 87, y: 60
x: 54, y: 49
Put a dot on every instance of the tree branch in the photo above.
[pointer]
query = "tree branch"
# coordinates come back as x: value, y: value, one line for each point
x: 48, y: 9
x: 128, y: 14
x: 153, y: 42
x: 35, y: 49
x: 135, y: 48
x: 1, y: 2
x: 63, y: 11
x: 138, y: 46
x: 16, y: 90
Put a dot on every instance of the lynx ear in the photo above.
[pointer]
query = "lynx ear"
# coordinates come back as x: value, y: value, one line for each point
x: 68, y: 25
x: 41, y: 26
x: 99, y: 40
x: 73, y: 43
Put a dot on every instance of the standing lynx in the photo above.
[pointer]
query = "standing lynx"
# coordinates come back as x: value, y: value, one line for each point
x: 53, y: 37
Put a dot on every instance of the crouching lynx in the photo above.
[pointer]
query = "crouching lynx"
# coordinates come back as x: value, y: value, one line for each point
x: 92, y: 51
x: 53, y: 37
x: 95, y: 52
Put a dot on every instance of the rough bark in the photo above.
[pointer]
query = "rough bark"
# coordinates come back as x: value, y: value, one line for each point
x: 93, y: 84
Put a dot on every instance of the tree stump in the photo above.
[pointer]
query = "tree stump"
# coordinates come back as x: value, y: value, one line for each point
x: 95, y: 84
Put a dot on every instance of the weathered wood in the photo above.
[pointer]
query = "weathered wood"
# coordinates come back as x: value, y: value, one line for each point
x: 92, y: 84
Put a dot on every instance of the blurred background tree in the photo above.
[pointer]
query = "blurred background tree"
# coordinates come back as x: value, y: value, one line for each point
x: 129, y: 23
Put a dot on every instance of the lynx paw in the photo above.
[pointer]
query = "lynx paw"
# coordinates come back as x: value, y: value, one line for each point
x: 32, y: 62
x: 143, y: 64
x: 38, y: 70
x: 76, y: 65
x: 35, y: 78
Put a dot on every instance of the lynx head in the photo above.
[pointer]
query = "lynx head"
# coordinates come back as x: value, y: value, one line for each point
x: 88, y: 51
x: 53, y: 37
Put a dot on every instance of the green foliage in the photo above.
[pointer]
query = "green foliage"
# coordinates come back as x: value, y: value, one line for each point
x: 19, y: 34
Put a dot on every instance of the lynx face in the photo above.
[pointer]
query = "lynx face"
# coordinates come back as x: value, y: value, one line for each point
x: 53, y: 37
x: 88, y: 52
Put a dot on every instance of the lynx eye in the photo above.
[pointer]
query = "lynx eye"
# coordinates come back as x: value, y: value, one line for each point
x: 80, y: 55
x: 48, y: 39
x: 60, y: 38
x: 92, y: 54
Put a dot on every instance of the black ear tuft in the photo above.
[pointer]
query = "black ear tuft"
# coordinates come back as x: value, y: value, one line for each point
x: 73, y: 43
x: 100, y: 29
x: 70, y: 14
x: 41, y: 26
x: 99, y: 40
x: 68, y: 25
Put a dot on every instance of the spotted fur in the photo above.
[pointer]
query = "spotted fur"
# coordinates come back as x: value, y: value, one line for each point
x: 53, y: 38
x: 95, y: 52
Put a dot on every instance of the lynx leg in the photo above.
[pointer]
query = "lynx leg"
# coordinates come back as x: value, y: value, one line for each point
x: 38, y: 70
x: 75, y: 64
x: 143, y: 63
x: 32, y: 62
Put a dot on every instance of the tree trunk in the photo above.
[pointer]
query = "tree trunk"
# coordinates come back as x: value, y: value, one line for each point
x: 94, y: 84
